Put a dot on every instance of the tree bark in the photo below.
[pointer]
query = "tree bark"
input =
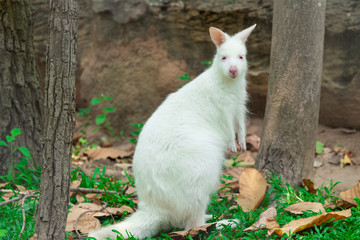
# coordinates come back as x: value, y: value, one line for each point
x: 292, y: 108
x: 20, y: 95
x: 59, y: 119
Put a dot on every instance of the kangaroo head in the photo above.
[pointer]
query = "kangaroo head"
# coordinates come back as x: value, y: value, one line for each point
x: 230, y: 58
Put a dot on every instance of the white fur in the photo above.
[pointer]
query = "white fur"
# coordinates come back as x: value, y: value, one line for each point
x: 179, y: 155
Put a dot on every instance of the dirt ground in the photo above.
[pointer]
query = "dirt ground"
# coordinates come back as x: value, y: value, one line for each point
x: 348, y: 175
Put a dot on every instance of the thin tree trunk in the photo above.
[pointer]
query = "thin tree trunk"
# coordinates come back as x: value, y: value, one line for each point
x: 292, y: 108
x: 59, y: 119
x: 20, y: 95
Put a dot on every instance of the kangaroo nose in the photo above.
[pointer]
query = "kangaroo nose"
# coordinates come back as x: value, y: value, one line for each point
x: 233, y: 70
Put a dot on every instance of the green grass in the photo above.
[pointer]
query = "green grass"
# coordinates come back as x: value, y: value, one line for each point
x: 281, y: 197
x: 11, y: 214
x: 278, y: 195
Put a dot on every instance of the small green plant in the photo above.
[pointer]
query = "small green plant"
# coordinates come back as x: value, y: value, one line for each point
x: 101, y: 120
x: 83, y: 146
x: 10, y: 139
x: 185, y: 78
x: 207, y: 64
x: 319, y: 147
x: 135, y: 133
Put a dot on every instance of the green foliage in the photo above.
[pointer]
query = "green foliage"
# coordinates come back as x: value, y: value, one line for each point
x: 319, y: 147
x: 13, y: 219
x: 207, y: 64
x: 99, y: 181
x: 283, y: 196
x: 101, y: 120
x: 135, y: 133
x: 20, y: 173
x: 3, y: 232
x: 25, y: 175
x: 185, y: 78
x: 83, y: 146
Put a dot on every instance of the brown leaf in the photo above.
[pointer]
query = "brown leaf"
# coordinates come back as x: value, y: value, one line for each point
x: 80, y: 197
x: 106, y: 144
x: 88, y: 222
x: 262, y: 222
x: 110, y: 152
x: 310, y: 185
x: 130, y: 190
x: 271, y: 224
x: 252, y: 142
x: 304, y: 223
x: 252, y: 189
x: 346, y: 161
x: 74, y: 184
x: 246, y: 157
x: 233, y: 172
x: 299, y: 208
x: 350, y: 194
x: 193, y: 232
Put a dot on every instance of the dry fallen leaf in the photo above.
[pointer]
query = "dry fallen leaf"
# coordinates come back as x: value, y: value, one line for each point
x: 109, y: 152
x: 252, y: 142
x: 266, y: 220
x: 350, y: 194
x: 179, y: 235
x: 80, y: 197
x: 233, y: 172
x: 304, y: 223
x: 271, y: 224
x: 345, y: 161
x: 299, y: 208
x: 252, y: 189
x: 74, y: 184
x: 88, y: 222
x: 246, y: 157
x: 310, y: 185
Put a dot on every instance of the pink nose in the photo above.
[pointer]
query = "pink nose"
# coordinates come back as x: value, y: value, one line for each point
x: 233, y: 70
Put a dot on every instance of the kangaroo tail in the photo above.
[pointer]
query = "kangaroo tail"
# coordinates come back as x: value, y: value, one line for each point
x: 140, y: 224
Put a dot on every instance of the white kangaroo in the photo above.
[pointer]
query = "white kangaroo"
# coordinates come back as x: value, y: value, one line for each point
x: 181, y: 148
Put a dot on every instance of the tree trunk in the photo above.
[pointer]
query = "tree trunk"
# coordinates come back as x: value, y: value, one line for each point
x: 292, y: 108
x: 59, y: 119
x: 20, y: 95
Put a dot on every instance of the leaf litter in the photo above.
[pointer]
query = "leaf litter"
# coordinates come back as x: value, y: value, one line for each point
x: 301, y: 224
x: 351, y: 194
x: 252, y: 189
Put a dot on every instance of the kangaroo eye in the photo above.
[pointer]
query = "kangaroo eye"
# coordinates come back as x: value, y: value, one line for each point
x: 223, y: 58
x: 241, y: 57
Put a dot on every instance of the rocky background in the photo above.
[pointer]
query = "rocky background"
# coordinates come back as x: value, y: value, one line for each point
x: 134, y: 51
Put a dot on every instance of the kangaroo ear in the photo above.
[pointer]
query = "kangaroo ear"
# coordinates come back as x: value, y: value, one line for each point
x: 217, y: 36
x: 244, y: 34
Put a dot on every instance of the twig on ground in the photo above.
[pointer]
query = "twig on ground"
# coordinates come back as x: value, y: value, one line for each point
x: 77, y: 189
x: 24, y: 218
x: 91, y: 190
x: 124, y: 190
x: 11, y: 200
x: 14, y: 191
x: 22, y: 196
x: 23, y: 211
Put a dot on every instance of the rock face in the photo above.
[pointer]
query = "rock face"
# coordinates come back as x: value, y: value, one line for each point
x: 134, y: 51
